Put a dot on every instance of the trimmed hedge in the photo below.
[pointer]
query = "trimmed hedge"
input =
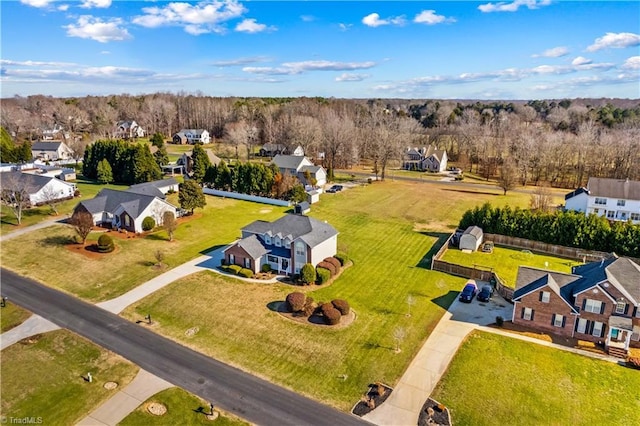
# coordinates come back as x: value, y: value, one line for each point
x: 335, y: 262
x: 323, y: 275
x: 296, y: 301
x: 105, y: 244
x: 308, y: 274
x: 341, y: 305
x: 148, y: 223
x: 342, y: 258
x: 235, y: 268
x: 247, y: 273
x: 330, y: 314
x: 329, y: 267
x: 266, y: 268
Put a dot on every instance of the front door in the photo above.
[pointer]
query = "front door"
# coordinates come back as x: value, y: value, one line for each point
x: 284, y: 265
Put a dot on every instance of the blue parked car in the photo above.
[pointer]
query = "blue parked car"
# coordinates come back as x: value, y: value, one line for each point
x: 486, y: 293
x: 468, y: 292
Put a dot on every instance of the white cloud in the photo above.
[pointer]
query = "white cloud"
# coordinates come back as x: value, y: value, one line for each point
x: 251, y: 26
x: 240, y: 61
x: 292, y: 68
x: 37, y: 3
x: 88, y: 4
x: 615, y: 41
x: 105, y: 52
x: 351, y: 77
x: 555, y: 52
x: 63, y: 7
x: 308, y: 18
x: 204, y: 17
x: 9, y: 62
x: 632, y: 63
x: 344, y: 27
x: 97, y: 29
x: 513, y: 6
x: 373, y: 20
x: 580, y: 60
x: 429, y: 17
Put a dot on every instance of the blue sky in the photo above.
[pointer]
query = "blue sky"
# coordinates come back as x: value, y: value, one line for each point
x: 522, y: 49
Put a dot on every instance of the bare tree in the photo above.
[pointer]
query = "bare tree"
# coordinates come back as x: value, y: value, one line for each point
x: 15, y: 193
x: 508, y: 176
x: 82, y: 222
x: 169, y: 223
x: 410, y: 302
x: 159, y: 255
x: 51, y: 198
x: 399, y: 335
x: 541, y: 199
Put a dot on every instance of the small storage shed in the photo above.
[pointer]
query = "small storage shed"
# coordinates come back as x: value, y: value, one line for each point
x: 302, y: 208
x: 471, y: 238
x: 313, y: 196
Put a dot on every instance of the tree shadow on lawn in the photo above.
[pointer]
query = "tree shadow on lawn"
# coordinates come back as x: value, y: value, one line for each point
x: 58, y: 240
x: 468, y: 191
x: 216, y: 247
x: 446, y: 300
x: 442, y: 237
x: 156, y: 237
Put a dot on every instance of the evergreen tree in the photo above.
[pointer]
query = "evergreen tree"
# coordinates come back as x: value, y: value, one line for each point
x: 191, y: 196
x: 7, y: 154
x: 105, y: 173
x: 201, y: 163
x: 161, y: 156
x: 23, y: 152
x: 157, y: 140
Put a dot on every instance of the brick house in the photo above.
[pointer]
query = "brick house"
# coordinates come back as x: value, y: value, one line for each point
x: 285, y: 245
x: 597, y: 302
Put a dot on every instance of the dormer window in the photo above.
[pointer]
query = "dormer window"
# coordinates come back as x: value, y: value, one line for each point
x: 267, y: 239
x: 278, y: 242
x: 287, y: 243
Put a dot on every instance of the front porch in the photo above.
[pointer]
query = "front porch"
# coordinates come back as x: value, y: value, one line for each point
x: 619, y: 336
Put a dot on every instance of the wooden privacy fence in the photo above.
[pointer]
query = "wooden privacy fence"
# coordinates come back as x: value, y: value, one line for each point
x: 552, y: 249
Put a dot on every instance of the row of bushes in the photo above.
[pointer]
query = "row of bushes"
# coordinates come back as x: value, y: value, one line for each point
x: 325, y: 270
x: 301, y: 304
x: 237, y: 270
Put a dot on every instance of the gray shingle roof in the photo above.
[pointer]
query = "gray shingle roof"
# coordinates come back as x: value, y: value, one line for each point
x: 108, y: 200
x: 152, y: 188
x: 288, y: 161
x: 476, y: 231
x: 253, y: 246
x: 311, y: 231
x: 30, y: 182
x: 614, y: 188
x: 45, y: 146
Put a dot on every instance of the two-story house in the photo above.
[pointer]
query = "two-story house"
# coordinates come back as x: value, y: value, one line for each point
x: 191, y: 136
x: 285, y: 245
x: 615, y: 199
x: 597, y: 302
x: 300, y: 166
x: 425, y: 159
x: 51, y: 151
x: 128, y: 129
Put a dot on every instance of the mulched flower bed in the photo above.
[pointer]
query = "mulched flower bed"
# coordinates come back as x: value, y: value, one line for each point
x: 439, y: 416
x: 362, y: 408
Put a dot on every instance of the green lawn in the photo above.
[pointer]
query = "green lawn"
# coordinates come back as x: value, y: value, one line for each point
x: 183, y: 409
x: 497, y: 380
x: 505, y: 261
x: 12, y: 315
x: 44, y: 378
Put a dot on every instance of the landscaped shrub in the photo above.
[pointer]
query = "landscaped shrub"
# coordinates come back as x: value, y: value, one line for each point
x: 226, y: 268
x: 341, y: 305
x: 295, y: 301
x: 331, y: 315
x: 309, y: 307
x: 499, y: 321
x: 634, y: 362
x: 342, y: 258
x: 235, y: 268
x: 328, y: 266
x: 105, y: 244
x: 308, y: 274
x: 335, y: 262
x: 244, y: 272
x: 266, y: 268
x: 148, y: 223
x: 323, y: 275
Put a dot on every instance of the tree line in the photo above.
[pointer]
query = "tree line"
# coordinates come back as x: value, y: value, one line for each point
x: 565, y: 228
x: 128, y: 163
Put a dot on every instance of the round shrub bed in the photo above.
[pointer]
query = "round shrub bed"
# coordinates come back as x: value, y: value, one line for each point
x: 148, y: 223
x: 341, y: 305
x: 105, y: 244
x: 330, y: 314
x: 296, y: 301
x: 323, y: 275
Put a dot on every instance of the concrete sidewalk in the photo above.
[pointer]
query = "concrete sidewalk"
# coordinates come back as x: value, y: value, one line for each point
x: 27, y: 229
x: 33, y: 325
x: 123, y: 403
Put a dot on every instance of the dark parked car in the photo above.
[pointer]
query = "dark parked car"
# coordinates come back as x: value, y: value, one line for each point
x: 334, y: 189
x: 486, y: 293
x: 468, y: 292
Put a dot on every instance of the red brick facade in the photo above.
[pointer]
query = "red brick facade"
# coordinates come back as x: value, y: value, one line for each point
x: 544, y: 314
x: 236, y: 255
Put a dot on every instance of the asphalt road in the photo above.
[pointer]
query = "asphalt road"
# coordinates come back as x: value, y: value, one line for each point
x: 233, y: 390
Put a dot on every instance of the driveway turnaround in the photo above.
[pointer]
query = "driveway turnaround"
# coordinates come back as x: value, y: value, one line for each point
x: 251, y: 398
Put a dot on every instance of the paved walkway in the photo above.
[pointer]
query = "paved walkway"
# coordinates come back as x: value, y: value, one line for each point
x: 33, y: 325
x: 119, y: 406
x: 27, y: 229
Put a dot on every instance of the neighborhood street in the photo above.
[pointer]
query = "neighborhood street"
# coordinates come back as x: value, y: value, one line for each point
x: 235, y: 391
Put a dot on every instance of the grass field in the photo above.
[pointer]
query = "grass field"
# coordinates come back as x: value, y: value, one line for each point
x: 12, y: 315
x: 45, y: 378
x: 505, y: 261
x: 496, y: 380
x: 183, y: 409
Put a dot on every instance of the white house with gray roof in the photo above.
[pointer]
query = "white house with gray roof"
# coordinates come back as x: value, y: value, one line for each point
x: 40, y: 189
x: 124, y: 209
x: 615, y: 199
x: 297, y: 165
x: 51, y: 151
x: 285, y: 245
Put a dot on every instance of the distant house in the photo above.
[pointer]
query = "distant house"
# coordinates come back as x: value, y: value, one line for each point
x: 124, y: 209
x: 297, y: 165
x: 285, y: 245
x: 615, y: 199
x: 597, y: 302
x: 191, y: 136
x: 40, y: 189
x: 54, y: 133
x: 471, y: 238
x: 186, y: 160
x: 157, y: 188
x: 425, y: 159
x: 51, y: 151
x: 273, y: 149
x: 128, y: 130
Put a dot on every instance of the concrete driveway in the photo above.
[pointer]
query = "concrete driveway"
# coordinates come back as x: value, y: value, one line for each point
x: 481, y: 313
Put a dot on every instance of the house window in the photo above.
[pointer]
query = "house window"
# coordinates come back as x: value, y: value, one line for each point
x: 620, y: 307
x: 610, y: 214
x: 597, y: 329
x: 287, y: 244
x: 127, y: 222
x: 272, y: 259
x: 278, y: 242
x: 621, y: 202
x: 267, y: 239
x: 232, y: 259
x: 582, y: 326
x: 635, y: 216
x: 593, y: 306
x: 601, y: 201
x: 596, y: 211
x: 527, y: 314
x: 247, y: 263
x: 545, y: 296
x: 300, y: 249
x: 558, y: 320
